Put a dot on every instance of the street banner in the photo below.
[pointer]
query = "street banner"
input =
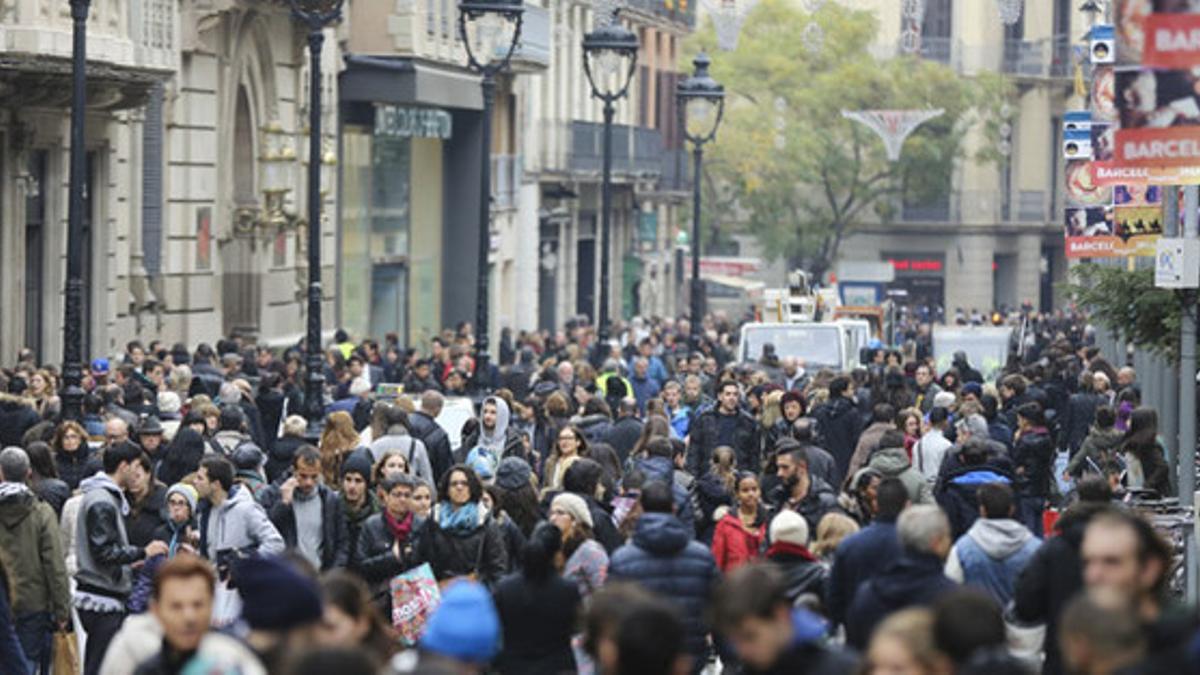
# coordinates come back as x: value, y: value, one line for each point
x: 1113, y: 173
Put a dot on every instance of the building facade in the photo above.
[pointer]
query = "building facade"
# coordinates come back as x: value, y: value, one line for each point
x: 194, y: 116
x: 996, y: 238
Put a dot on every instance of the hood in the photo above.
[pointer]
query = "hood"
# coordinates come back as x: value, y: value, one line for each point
x: 494, y: 440
x: 999, y: 538
x: 101, y: 481
x: 890, y: 462
x: 907, y: 578
x: 236, y: 498
x: 657, y: 468
x: 11, y: 402
x: 16, y: 503
x: 661, y: 534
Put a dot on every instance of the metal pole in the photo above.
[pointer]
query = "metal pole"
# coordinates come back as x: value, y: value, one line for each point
x: 485, y: 233
x: 605, y: 208
x: 697, y: 300
x: 73, y: 319
x: 1187, y: 390
x: 314, y: 390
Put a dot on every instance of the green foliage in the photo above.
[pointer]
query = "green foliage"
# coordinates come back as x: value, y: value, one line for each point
x: 1127, y: 304
x: 786, y: 161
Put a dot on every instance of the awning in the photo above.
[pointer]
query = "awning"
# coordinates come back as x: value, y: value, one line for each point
x: 382, y: 79
x: 740, y: 283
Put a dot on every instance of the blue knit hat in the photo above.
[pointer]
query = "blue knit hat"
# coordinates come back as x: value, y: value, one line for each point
x: 465, y: 626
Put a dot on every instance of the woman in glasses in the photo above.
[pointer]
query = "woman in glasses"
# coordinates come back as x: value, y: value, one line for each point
x: 460, y: 539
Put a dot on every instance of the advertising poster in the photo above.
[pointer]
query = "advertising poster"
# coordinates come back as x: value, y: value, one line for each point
x: 1104, y: 138
x: 1103, y: 95
x: 1082, y: 188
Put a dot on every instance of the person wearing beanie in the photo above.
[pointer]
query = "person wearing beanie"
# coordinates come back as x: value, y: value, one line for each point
x: 358, y: 500
x: 971, y: 390
x: 788, y: 551
x: 573, y: 505
x: 179, y: 529
x: 586, y: 561
x: 537, y: 609
x: 513, y: 473
x: 463, y: 635
x: 281, y: 607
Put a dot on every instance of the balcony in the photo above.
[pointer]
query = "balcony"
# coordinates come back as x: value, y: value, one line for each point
x: 132, y: 45
x: 682, y: 12
x: 507, y: 172
x: 638, y: 153
x: 977, y: 207
x: 939, y: 49
x: 1040, y: 59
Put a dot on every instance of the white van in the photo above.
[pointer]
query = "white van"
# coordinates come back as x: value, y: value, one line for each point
x: 818, y: 345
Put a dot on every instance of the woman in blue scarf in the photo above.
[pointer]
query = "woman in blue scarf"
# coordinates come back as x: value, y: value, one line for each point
x: 180, y: 534
x: 460, y: 537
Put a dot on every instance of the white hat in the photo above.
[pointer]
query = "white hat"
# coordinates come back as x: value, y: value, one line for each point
x: 944, y: 399
x: 168, y: 402
x: 789, y: 527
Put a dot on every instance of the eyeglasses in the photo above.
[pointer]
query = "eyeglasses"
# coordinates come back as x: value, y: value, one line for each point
x: 177, y: 502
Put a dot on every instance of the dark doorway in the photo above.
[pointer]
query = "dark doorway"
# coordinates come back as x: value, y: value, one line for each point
x: 35, y: 252
x: 585, y: 275
x: 547, y: 275
x: 241, y: 284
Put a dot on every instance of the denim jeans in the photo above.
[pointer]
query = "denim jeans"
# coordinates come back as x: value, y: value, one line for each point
x: 100, y: 627
x: 1029, y: 512
x: 35, y: 632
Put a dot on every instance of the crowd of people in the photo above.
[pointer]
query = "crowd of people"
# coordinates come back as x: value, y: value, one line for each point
x: 646, y: 506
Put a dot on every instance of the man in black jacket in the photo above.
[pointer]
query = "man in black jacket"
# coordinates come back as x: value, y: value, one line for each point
x: 724, y: 424
x: 768, y: 634
x: 308, y: 514
x: 801, y: 491
x: 839, y: 424
x: 424, y: 427
x: 624, y: 433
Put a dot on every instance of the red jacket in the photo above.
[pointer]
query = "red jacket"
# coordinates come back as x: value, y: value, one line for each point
x: 732, y: 545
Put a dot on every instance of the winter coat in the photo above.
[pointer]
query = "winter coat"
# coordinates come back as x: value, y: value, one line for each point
x: 16, y: 416
x: 1099, y: 446
x: 838, y: 427
x: 644, y: 389
x: 137, y: 649
x: 663, y: 558
x: 452, y: 554
x: 991, y: 555
x: 893, y: 463
x: 734, y: 546
x: 1077, y: 418
x: 538, y: 618
x: 662, y: 470
x: 596, y: 428
x: 623, y: 435
x: 1052, y: 577
x: 437, y: 443
x: 11, y: 653
x: 335, y: 541
x: 33, y: 555
x: 239, y: 524
x: 54, y: 492
x: 182, y: 456
x: 868, y: 445
x: 957, y: 495
x: 513, y: 445
x: 146, y: 517
x: 73, y: 467
x: 705, y: 438
x: 804, y: 573
x: 820, y: 499
x: 283, y: 451
x: 355, y: 519
x: 375, y: 559
x: 856, y: 560
x: 916, y: 579
x: 1033, y: 457
x: 809, y: 652
x: 102, y: 551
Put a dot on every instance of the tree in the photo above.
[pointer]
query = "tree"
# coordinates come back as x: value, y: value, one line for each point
x: 1127, y: 304
x: 786, y: 161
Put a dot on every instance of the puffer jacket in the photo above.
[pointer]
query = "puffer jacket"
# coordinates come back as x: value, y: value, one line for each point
x: 734, y: 546
x: 804, y: 572
x: 16, y: 416
x: 73, y: 467
x: 894, y: 463
x: 663, y: 558
x: 451, y: 554
x: 238, y: 524
x: 838, y: 428
x: 29, y: 536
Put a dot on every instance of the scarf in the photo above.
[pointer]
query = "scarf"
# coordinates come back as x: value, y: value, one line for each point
x: 787, y: 548
x: 177, y: 532
x: 400, y: 529
x: 461, y: 520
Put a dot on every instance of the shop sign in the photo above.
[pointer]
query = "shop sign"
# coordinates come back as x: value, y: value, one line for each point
x: 400, y: 121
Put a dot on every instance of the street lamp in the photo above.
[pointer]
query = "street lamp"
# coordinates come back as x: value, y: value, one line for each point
x: 316, y: 15
x: 701, y: 103
x: 482, y: 25
x: 73, y: 319
x: 609, y: 60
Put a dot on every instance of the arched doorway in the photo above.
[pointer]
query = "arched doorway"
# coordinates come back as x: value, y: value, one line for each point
x: 241, y: 279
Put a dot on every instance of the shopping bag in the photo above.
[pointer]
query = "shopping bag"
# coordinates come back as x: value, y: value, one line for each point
x: 415, y: 595
x: 66, y: 654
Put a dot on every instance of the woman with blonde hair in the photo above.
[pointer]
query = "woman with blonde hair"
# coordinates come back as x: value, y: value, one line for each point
x: 904, y: 643
x: 41, y: 392
x: 337, y: 440
x: 831, y: 530
x: 570, y: 446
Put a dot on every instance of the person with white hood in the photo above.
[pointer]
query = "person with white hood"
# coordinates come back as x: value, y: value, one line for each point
x: 495, y: 436
x: 993, y: 552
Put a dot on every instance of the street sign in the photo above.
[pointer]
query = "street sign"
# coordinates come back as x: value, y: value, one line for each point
x: 1177, y: 263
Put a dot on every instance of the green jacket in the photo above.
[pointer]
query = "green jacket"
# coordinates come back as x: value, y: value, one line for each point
x: 31, y: 545
x: 1100, y: 445
x: 894, y: 463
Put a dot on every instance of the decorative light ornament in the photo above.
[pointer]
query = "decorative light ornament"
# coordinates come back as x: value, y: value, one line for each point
x: 1010, y: 10
x: 893, y: 126
x: 812, y: 38
x: 728, y: 16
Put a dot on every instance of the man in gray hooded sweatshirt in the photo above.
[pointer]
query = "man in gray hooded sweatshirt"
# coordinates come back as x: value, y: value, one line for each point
x: 996, y: 548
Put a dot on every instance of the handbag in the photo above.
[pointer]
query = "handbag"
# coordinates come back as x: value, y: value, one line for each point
x: 66, y: 654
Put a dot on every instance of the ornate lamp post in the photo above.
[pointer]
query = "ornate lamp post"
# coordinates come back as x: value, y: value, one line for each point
x: 315, y: 15
x: 483, y: 25
x: 609, y: 60
x: 701, y: 103
x: 73, y: 319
